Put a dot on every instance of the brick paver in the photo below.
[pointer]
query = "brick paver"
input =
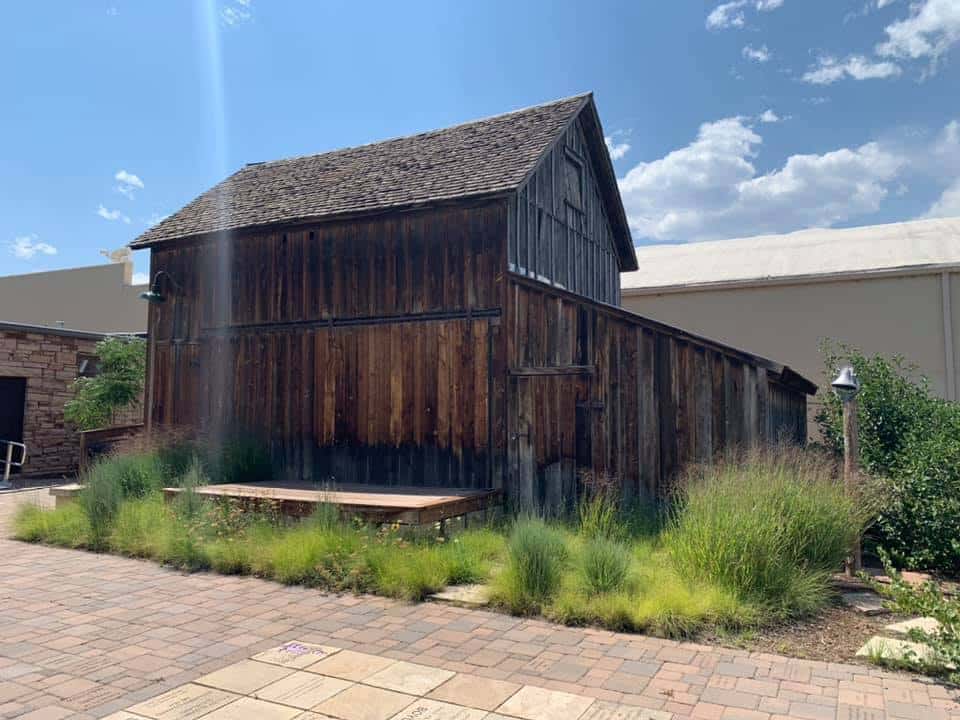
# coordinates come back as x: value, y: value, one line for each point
x: 85, y: 635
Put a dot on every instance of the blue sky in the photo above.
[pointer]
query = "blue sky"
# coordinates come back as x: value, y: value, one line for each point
x: 726, y: 119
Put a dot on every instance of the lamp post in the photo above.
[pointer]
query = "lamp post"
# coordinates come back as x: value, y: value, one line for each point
x: 846, y: 386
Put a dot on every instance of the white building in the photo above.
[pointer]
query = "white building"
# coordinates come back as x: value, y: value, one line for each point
x: 99, y: 298
x: 890, y: 289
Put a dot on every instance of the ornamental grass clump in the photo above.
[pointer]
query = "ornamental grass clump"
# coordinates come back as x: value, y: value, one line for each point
x: 604, y: 565
x: 66, y: 526
x: 536, y: 557
x: 771, y: 528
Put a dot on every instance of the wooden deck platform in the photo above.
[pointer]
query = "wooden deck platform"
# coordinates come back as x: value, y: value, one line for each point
x: 376, y: 503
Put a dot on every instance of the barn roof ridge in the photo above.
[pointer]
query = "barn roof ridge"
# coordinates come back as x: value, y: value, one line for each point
x: 471, y: 160
x: 424, y: 133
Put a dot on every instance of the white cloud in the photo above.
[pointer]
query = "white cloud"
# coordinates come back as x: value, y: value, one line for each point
x: 127, y: 183
x: 761, y: 54
x: 128, y: 178
x: 884, y: 3
x: 140, y: 278
x: 728, y: 14
x: 829, y: 70
x: 26, y: 246
x: 946, y: 161
x: 112, y: 215
x: 236, y: 12
x: 948, y: 204
x: 711, y: 188
x: 616, y: 150
x: 769, y: 116
x: 733, y: 13
x: 931, y: 30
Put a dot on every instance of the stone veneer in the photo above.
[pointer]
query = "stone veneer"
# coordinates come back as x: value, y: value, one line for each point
x: 48, y: 359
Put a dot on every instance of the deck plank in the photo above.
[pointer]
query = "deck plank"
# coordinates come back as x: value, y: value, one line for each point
x: 413, y: 505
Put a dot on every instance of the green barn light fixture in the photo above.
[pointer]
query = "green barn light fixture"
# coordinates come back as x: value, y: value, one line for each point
x: 153, y: 295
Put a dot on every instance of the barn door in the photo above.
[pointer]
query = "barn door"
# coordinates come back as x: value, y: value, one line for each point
x: 547, y: 440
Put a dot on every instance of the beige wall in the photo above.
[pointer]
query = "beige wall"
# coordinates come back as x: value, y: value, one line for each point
x: 99, y: 298
x: 892, y: 314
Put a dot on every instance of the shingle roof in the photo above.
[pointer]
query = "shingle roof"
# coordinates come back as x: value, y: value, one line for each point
x: 477, y: 158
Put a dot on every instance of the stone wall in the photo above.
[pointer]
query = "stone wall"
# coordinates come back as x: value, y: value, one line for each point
x: 48, y: 359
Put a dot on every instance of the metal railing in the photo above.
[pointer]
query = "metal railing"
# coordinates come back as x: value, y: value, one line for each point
x: 8, y: 461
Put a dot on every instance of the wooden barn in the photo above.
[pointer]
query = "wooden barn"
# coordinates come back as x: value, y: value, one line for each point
x: 441, y: 310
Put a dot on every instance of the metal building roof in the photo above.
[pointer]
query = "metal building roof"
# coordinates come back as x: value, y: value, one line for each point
x: 815, y: 254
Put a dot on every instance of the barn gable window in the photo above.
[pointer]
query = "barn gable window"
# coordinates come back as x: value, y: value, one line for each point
x: 573, y: 180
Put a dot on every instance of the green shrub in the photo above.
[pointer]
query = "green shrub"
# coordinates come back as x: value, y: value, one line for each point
x: 654, y: 600
x: 927, y: 600
x: 910, y: 440
x: 133, y: 475
x: 598, y: 515
x: 604, y: 564
x: 239, y: 458
x: 671, y: 606
x: 188, y: 503
x: 771, y: 528
x: 469, y: 556
x: 100, y: 500
x: 176, y: 455
x: 409, y: 573
x: 67, y: 526
x: 139, y: 524
x: 536, y: 555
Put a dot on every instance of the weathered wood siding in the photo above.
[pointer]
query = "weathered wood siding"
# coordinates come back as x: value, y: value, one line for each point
x: 416, y: 348
x: 363, y: 351
x: 558, y: 229
x: 596, y: 389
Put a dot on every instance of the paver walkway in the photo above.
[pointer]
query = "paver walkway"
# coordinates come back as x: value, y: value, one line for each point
x: 85, y: 635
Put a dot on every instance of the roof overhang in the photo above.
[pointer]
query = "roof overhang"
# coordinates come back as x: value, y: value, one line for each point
x: 607, y: 178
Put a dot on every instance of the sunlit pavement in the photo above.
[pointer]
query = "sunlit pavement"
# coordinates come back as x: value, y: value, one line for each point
x: 85, y: 636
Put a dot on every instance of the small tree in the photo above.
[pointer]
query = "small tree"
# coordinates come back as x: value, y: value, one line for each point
x: 118, y: 385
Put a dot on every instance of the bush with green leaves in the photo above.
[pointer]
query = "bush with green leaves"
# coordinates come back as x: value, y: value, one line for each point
x: 771, y: 527
x: 237, y: 458
x: 927, y: 600
x: 117, y: 385
x: 910, y: 441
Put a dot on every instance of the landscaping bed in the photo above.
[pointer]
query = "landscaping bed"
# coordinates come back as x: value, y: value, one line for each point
x: 745, y: 546
x: 834, y: 634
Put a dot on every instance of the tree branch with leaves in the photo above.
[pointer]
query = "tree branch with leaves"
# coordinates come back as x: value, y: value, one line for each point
x: 118, y: 384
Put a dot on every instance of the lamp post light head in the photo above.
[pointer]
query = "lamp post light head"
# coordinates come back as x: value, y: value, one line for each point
x: 846, y: 385
x: 152, y: 296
